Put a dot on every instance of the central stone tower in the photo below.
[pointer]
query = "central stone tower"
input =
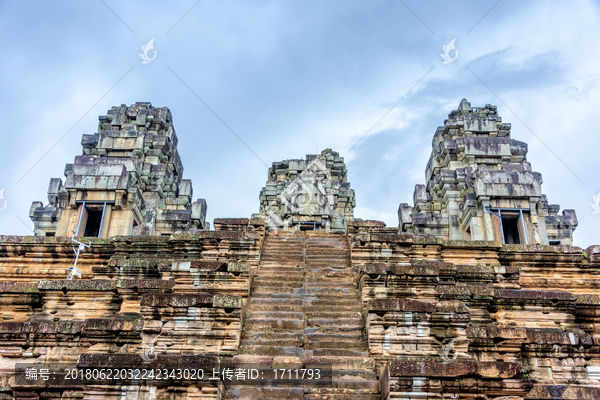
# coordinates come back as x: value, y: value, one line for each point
x: 310, y: 194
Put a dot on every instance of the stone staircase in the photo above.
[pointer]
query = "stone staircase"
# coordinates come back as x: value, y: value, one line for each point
x: 304, y: 311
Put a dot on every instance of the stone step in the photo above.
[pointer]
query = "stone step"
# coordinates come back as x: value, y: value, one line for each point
x: 334, y: 249
x: 274, y: 351
x: 273, y: 295
x: 341, y: 396
x: 324, y: 266
x: 296, y: 335
x: 340, y: 363
x: 309, y: 310
x: 337, y: 353
x: 357, y: 386
x: 320, y: 271
x: 273, y: 342
x: 332, y: 292
x: 331, y: 313
x: 328, y: 254
x: 336, y: 262
x: 299, y: 242
x: 277, y: 301
x: 290, y: 254
x: 341, y: 307
x: 293, y: 245
x: 272, y: 307
x: 272, y: 315
x: 292, y: 250
x: 265, y: 393
x: 315, y: 290
x: 281, y: 266
x: 298, y: 252
x: 275, y: 273
x: 328, y: 272
x: 310, y: 252
x: 264, y: 323
x: 357, y: 329
x: 336, y: 344
x: 280, y: 258
x: 324, y: 322
x: 330, y: 278
x: 279, y: 291
x: 277, y: 283
x: 342, y: 337
x: 260, y: 276
x: 316, y: 301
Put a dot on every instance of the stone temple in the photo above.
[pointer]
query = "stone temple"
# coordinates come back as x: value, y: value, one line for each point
x: 477, y: 294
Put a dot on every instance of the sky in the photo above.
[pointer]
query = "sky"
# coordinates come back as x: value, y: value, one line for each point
x: 253, y: 82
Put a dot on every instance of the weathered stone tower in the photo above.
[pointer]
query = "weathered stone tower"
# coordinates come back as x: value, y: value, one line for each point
x: 481, y: 187
x: 310, y: 194
x: 129, y: 181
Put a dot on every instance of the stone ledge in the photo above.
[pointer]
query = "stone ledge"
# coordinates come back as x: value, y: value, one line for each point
x: 208, y: 265
x: 393, y: 304
x: 120, y: 360
x: 100, y: 285
x: 18, y: 287
x: 238, y: 267
x: 465, y: 292
x: 231, y: 221
x: 374, y: 269
x: 176, y: 300
x: 533, y: 295
x: 158, y: 284
x: 369, y: 223
x: 437, y: 369
x: 564, y: 392
x: 392, y: 238
x: 164, y: 300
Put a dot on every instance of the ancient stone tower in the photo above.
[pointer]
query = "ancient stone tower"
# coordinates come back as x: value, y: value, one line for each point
x: 308, y: 194
x: 481, y: 187
x: 129, y: 181
x: 301, y: 301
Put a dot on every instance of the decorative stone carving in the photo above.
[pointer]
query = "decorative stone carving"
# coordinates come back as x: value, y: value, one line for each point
x: 311, y: 193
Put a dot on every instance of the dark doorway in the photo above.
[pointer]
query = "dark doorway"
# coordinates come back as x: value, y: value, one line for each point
x: 510, y: 227
x: 93, y: 221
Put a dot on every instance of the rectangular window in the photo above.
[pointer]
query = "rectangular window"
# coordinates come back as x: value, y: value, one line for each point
x: 91, y: 219
x: 511, y: 225
x: 510, y: 228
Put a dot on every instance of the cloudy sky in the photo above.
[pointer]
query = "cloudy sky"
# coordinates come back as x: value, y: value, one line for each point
x: 291, y: 77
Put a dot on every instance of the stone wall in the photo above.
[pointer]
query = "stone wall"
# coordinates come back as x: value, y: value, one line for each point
x: 479, y: 319
x: 183, y: 296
